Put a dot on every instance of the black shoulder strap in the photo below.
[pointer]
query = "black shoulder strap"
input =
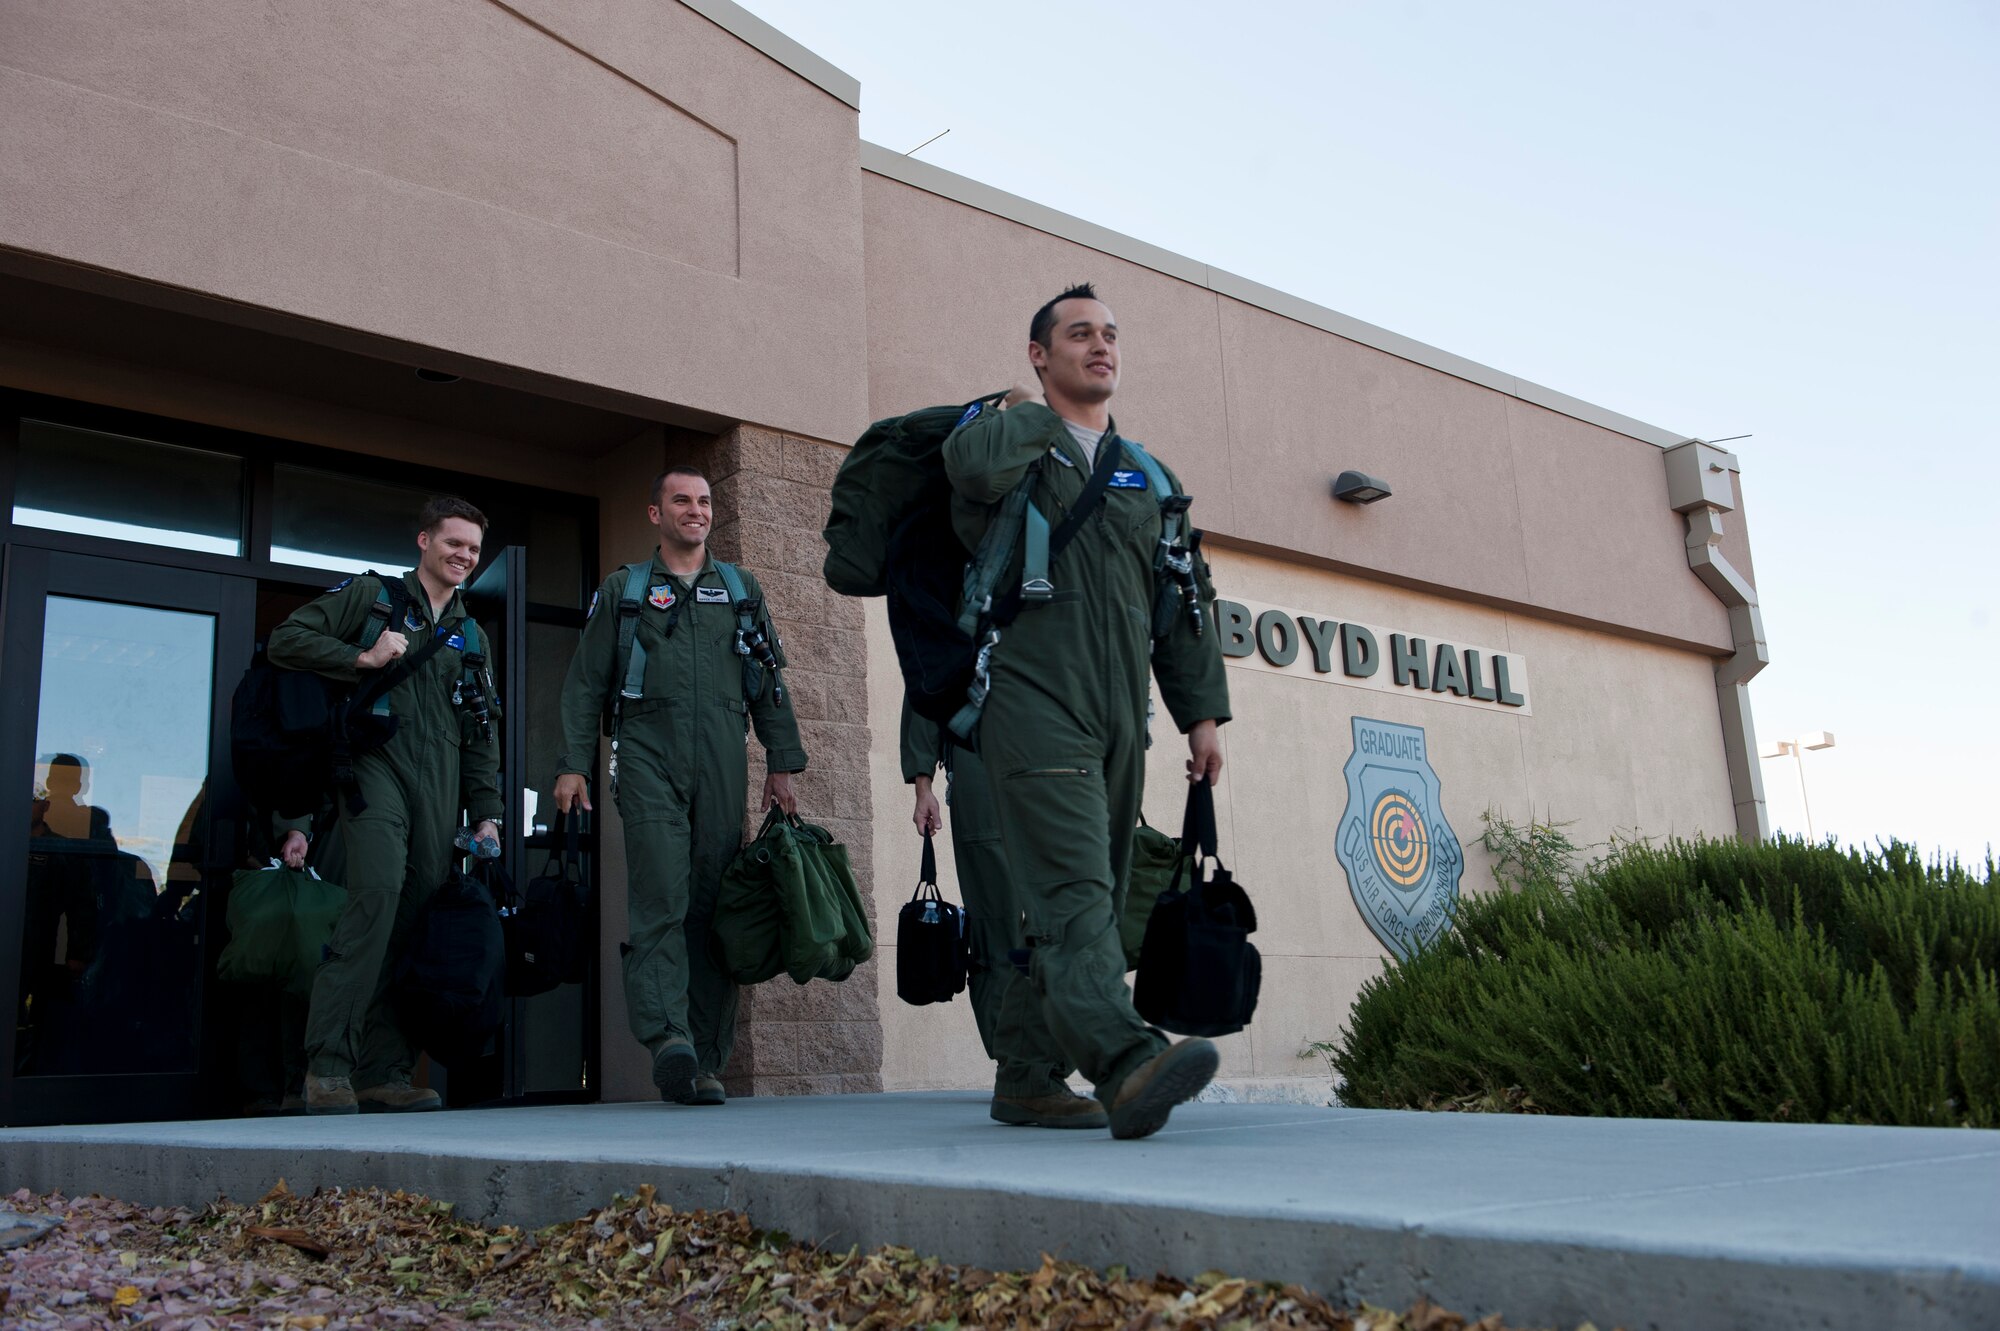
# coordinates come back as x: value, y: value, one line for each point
x: 387, y: 679
x: 1109, y: 451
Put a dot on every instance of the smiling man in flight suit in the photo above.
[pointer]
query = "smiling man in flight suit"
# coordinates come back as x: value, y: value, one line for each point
x: 1063, y: 734
x: 393, y: 854
x: 679, y: 769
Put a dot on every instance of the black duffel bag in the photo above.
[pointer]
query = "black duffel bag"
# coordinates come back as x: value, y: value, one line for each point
x: 931, y: 949
x: 1199, y: 973
x: 447, y: 986
x: 547, y: 925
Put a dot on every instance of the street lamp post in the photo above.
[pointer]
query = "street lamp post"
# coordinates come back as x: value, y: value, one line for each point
x: 1818, y: 739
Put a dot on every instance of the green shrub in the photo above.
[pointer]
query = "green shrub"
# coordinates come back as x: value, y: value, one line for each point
x: 1706, y: 979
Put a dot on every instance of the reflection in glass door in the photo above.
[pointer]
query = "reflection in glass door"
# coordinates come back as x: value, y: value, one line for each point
x: 111, y: 959
x: 112, y: 732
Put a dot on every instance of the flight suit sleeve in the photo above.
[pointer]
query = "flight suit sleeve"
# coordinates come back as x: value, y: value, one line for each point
x: 989, y: 454
x: 1189, y: 669
x: 588, y: 682
x: 479, y: 764
x: 777, y: 725
x: 320, y: 635
x: 921, y: 744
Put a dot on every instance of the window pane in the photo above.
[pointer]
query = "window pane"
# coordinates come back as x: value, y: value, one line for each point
x: 555, y: 572
x: 326, y: 520
x: 96, y: 484
x: 112, y: 956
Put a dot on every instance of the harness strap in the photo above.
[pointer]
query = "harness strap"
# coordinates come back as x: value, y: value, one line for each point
x: 1172, y: 522
x: 630, y: 650
x: 996, y: 551
x: 1035, y: 584
x: 768, y: 656
x: 732, y: 582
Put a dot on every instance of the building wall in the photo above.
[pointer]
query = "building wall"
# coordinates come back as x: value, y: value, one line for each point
x: 390, y: 173
x: 1497, y: 499
x: 1621, y: 737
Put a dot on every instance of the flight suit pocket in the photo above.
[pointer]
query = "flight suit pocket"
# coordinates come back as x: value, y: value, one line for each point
x: 738, y: 706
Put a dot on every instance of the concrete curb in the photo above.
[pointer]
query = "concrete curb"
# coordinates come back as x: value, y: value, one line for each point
x: 1882, y: 1228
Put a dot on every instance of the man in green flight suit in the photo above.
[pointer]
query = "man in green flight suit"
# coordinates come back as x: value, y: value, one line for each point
x: 394, y: 853
x: 1064, y: 729
x: 679, y: 771
x: 1029, y: 1087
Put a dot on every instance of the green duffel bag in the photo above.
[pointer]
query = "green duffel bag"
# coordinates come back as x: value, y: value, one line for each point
x: 280, y: 922
x: 893, y: 467
x: 1154, y: 855
x: 789, y: 905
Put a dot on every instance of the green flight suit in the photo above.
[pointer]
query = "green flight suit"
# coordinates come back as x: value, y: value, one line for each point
x: 1005, y: 1006
x: 395, y: 853
x: 1064, y: 729
x: 682, y: 783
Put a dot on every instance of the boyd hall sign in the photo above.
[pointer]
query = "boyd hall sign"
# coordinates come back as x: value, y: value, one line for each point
x: 1370, y: 657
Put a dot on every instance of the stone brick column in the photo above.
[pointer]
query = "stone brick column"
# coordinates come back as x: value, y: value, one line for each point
x: 771, y: 499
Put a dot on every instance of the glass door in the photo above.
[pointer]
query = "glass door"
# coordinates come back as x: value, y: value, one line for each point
x: 114, y: 726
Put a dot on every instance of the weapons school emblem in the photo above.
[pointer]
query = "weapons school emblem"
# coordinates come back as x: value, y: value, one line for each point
x: 1402, y: 860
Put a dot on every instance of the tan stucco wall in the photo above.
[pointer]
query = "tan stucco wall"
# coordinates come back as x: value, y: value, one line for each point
x: 619, y: 197
x: 1496, y: 499
x: 1623, y: 737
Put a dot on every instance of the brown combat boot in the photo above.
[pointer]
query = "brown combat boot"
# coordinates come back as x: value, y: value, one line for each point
x: 1060, y: 1108
x: 330, y: 1095
x: 1151, y: 1090
x: 708, y: 1091
x: 673, y: 1071
x: 398, y: 1097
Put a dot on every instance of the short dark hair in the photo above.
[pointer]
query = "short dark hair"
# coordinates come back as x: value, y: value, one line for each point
x: 439, y: 507
x: 1044, y: 322
x: 684, y: 469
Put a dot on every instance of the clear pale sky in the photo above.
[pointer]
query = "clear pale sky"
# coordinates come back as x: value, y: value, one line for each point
x: 1775, y: 219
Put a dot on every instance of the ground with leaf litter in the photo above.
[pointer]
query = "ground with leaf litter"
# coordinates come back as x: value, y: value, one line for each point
x: 371, y: 1259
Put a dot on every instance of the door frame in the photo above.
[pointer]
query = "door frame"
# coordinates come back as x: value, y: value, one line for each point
x: 30, y: 576
x: 510, y: 505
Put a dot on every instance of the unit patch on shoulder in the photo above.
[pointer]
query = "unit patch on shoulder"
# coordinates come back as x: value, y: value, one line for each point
x: 712, y: 595
x: 340, y: 586
x: 661, y: 596
x: 1128, y: 480
x: 971, y: 413
x: 594, y: 598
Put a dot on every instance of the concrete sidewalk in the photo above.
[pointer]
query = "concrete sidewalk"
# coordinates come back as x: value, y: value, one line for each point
x: 1548, y: 1220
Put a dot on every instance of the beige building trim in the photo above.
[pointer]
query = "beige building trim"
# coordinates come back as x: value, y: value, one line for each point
x: 746, y: 27
x: 962, y: 189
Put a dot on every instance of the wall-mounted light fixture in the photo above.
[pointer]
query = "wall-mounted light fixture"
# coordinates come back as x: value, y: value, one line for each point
x: 1358, y: 487
x: 436, y: 376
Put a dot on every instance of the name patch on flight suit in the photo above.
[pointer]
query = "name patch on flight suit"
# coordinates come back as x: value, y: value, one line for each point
x: 661, y: 596
x: 456, y: 641
x: 1128, y: 480
x: 711, y: 595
